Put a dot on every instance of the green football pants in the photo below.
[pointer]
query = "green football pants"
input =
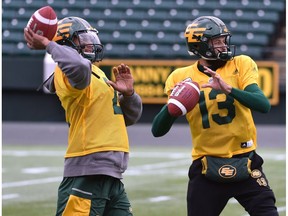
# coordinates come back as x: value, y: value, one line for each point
x: 96, y: 195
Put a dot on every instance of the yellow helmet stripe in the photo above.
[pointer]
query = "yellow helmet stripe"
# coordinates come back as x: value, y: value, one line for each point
x: 192, y: 32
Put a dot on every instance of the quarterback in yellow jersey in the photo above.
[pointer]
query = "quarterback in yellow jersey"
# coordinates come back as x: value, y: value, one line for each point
x: 97, y: 112
x: 225, y: 163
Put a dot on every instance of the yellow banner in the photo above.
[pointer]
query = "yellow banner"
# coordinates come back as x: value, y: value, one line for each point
x: 150, y: 76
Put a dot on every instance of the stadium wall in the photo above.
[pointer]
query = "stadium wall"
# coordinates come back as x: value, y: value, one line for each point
x: 22, y: 102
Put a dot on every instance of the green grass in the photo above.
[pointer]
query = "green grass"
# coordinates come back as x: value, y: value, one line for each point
x: 156, y: 180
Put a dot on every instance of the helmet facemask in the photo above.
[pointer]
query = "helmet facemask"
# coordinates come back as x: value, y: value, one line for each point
x: 88, y: 45
x: 218, y: 51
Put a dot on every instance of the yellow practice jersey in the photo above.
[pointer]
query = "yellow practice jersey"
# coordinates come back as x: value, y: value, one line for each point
x: 95, y: 119
x: 219, y: 124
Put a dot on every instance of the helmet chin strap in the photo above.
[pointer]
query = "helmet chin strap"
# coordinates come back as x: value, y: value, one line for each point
x: 227, y: 55
x: 224, y: 56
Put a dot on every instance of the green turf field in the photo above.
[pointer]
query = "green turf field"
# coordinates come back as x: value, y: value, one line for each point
x: 156, y: 180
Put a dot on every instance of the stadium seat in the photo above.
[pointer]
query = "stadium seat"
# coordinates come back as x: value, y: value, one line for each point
x: 140, y: 23
x: 255, y: 26
x: 11, y: 36
x: 250, y: 38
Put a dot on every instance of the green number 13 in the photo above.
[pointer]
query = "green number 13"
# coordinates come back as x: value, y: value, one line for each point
x: 228, y: 104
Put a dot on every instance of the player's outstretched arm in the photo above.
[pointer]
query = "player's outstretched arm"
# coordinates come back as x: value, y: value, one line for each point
x: 162, y: 122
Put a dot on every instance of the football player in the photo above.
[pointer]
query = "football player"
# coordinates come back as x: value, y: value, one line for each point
x: 97, y: 112
x: 221, y: 125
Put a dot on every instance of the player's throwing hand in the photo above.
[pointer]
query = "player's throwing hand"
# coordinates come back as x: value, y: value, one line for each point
x: 35, y: 41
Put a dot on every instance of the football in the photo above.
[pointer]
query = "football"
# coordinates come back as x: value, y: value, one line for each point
x: 183, y: 98
x: 44, y: 22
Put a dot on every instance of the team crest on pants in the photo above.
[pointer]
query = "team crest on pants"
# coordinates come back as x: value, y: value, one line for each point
x: 257, y: 175
x: 227, y: 171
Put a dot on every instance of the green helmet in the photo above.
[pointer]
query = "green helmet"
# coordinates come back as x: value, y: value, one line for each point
x: 79, y: 34
x: 200, y: 31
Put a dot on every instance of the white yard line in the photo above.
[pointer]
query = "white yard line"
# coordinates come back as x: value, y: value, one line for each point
x: 40, y: 170
x: 173, y: 163
x: 32, y: 182
x: 10, y: 196
x: 25, y: 153
x: 159, y: 168
x: 159, y: 199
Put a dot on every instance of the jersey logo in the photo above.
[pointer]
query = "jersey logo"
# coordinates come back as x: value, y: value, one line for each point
x: 227, y: 171
x: 247, y: 144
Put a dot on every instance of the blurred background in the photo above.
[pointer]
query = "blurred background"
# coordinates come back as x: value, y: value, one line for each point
x: 143, y: 34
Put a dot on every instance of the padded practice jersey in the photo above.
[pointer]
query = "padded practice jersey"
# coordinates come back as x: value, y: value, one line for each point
x: 94, y: 115
x: 219, y: 124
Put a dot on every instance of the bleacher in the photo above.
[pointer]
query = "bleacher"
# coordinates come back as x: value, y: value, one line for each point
x: 151, y: 29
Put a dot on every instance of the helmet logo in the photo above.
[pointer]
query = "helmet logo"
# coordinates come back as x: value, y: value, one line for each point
x: 193, y: 33
x: 62, y: 31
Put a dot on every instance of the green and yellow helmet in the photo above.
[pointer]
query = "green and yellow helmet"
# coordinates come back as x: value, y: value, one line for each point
x: 200, y: 31
x: 78, y: 34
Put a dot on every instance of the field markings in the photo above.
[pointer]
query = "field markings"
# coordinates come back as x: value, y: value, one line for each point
x: 159, y: 199
x: 179, y: 159
x: 10, y: 196
x: 281, y: 209
x: 159, y: 168
x: 32, y: 182
x: 172, y: 155
x: 40, y: 170
x: 27, y: 153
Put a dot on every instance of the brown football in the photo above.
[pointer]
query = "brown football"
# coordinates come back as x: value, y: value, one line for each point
x: 183, y: 98
x: 44, y: 22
